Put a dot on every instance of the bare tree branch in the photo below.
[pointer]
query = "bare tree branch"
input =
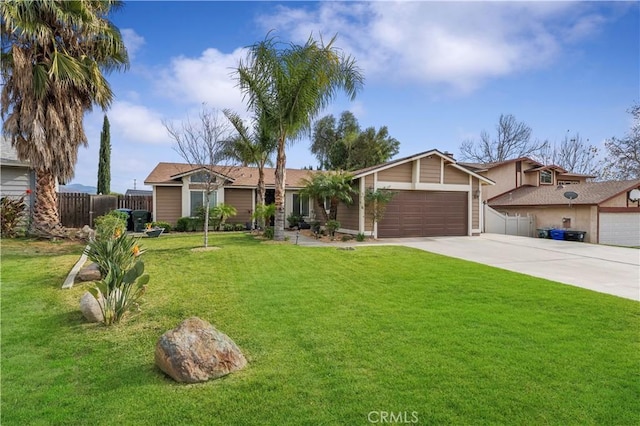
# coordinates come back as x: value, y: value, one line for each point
x: 513, y: 140
x: 201, y: 144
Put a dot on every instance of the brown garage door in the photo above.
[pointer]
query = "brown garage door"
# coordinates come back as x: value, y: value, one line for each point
x: 425, y: 214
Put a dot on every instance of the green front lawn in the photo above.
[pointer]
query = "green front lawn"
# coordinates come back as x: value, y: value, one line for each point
x: 331, y: 336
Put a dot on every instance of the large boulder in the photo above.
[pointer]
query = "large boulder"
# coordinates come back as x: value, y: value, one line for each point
x: 196, y: 351
x: 90, y: 307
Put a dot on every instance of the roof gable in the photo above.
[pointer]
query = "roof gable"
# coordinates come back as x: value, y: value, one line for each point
x: 394, y: 163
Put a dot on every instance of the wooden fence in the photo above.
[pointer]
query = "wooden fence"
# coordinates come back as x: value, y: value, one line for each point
x: 77, y: 209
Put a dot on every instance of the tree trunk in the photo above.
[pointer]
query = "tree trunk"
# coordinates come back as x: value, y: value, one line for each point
x: 333, y: 209
x: 278, y: 229
x: 320, y: 212
x: 46, y: 218
x: 261, y: 194
x: 206, y: 218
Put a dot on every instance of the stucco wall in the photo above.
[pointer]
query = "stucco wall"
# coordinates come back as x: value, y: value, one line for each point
x: 583, y: 218
x: 620, y: 200
x: 504, y: 177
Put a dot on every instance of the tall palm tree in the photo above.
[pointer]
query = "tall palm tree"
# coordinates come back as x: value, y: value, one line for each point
x: 54, y: 53
x: 290, y: 84
x: 252, y: 149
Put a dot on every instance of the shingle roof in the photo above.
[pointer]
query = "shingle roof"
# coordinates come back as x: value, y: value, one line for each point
x: 486, y: 166
x: 588, y: 193
x: 163, y: 174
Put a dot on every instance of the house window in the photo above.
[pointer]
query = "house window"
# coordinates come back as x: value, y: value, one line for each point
x: 300, y: 205
x: 568, y: 182
x: 546, y: 177
x: 197, y: 201
x: 200, y: 177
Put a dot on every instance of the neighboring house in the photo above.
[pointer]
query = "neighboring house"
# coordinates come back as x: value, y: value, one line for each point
x: 434, y: 195
x: 138, y: 193
x: 511, y: 174
x: 16, y: 177
x: 608, y: 211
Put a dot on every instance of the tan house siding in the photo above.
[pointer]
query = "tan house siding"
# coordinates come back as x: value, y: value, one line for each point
x: 168, y: 204
x: 401, y: 173
x: 621, y: 200
x: 505, y: 179
x: 430, y: 170
x: 348, y: 215
x: 475, y: 205
x: 241, y: 199
x: 455, y: 176
x: 368, y: 181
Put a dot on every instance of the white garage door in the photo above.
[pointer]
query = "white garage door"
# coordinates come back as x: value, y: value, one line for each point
x: 621, y: 229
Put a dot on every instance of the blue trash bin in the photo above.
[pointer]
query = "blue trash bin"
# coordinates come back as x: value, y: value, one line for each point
x: 557, y: 234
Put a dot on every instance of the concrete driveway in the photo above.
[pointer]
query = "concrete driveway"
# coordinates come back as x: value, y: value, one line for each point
x: 605, y: 269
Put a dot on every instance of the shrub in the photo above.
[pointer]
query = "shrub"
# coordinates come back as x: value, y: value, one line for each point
x: 240, y: 227
x: 228, y: 227
x: 165, y: 225
x: 315, y: 227
x: 346, y: 238
x: 111, y: 225
x: 332, y: 226
x: 119, y: 252
x: 360, y: 237
x: 268, y: 232
x: 294, y: 220
x: 187, y: 224
x: 119, y: 291
x: 11, y: 214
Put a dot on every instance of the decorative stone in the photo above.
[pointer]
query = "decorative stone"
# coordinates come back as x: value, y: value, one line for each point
x: 90, y: 308
x: 196, y: 351
x: 89, y: 273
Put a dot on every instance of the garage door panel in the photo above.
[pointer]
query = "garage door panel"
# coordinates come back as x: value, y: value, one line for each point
x: 425, y: 214
x: 622, y: 229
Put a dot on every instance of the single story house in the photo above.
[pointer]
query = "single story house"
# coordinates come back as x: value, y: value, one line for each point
x: 609, y: 212
x: 177, y: 191
x: 434, y: 196
x: 16, y: 176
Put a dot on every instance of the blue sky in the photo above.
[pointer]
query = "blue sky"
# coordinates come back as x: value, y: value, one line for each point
x: 437, y: 73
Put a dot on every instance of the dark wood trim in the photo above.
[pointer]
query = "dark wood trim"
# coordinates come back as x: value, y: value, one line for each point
x: 619, y: 210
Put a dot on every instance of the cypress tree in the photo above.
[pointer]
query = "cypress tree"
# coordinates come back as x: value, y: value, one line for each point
x: 104, y: 162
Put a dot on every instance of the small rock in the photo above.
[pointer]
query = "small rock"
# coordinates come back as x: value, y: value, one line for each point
x: 196, y: 352
x: 89, y: 273
x: 90, y: 308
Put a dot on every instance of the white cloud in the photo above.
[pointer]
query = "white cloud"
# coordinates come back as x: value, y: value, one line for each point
x: 206, y: 79
x: 460, y: 45
x: 136, y: 124
x: 132, y: 41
